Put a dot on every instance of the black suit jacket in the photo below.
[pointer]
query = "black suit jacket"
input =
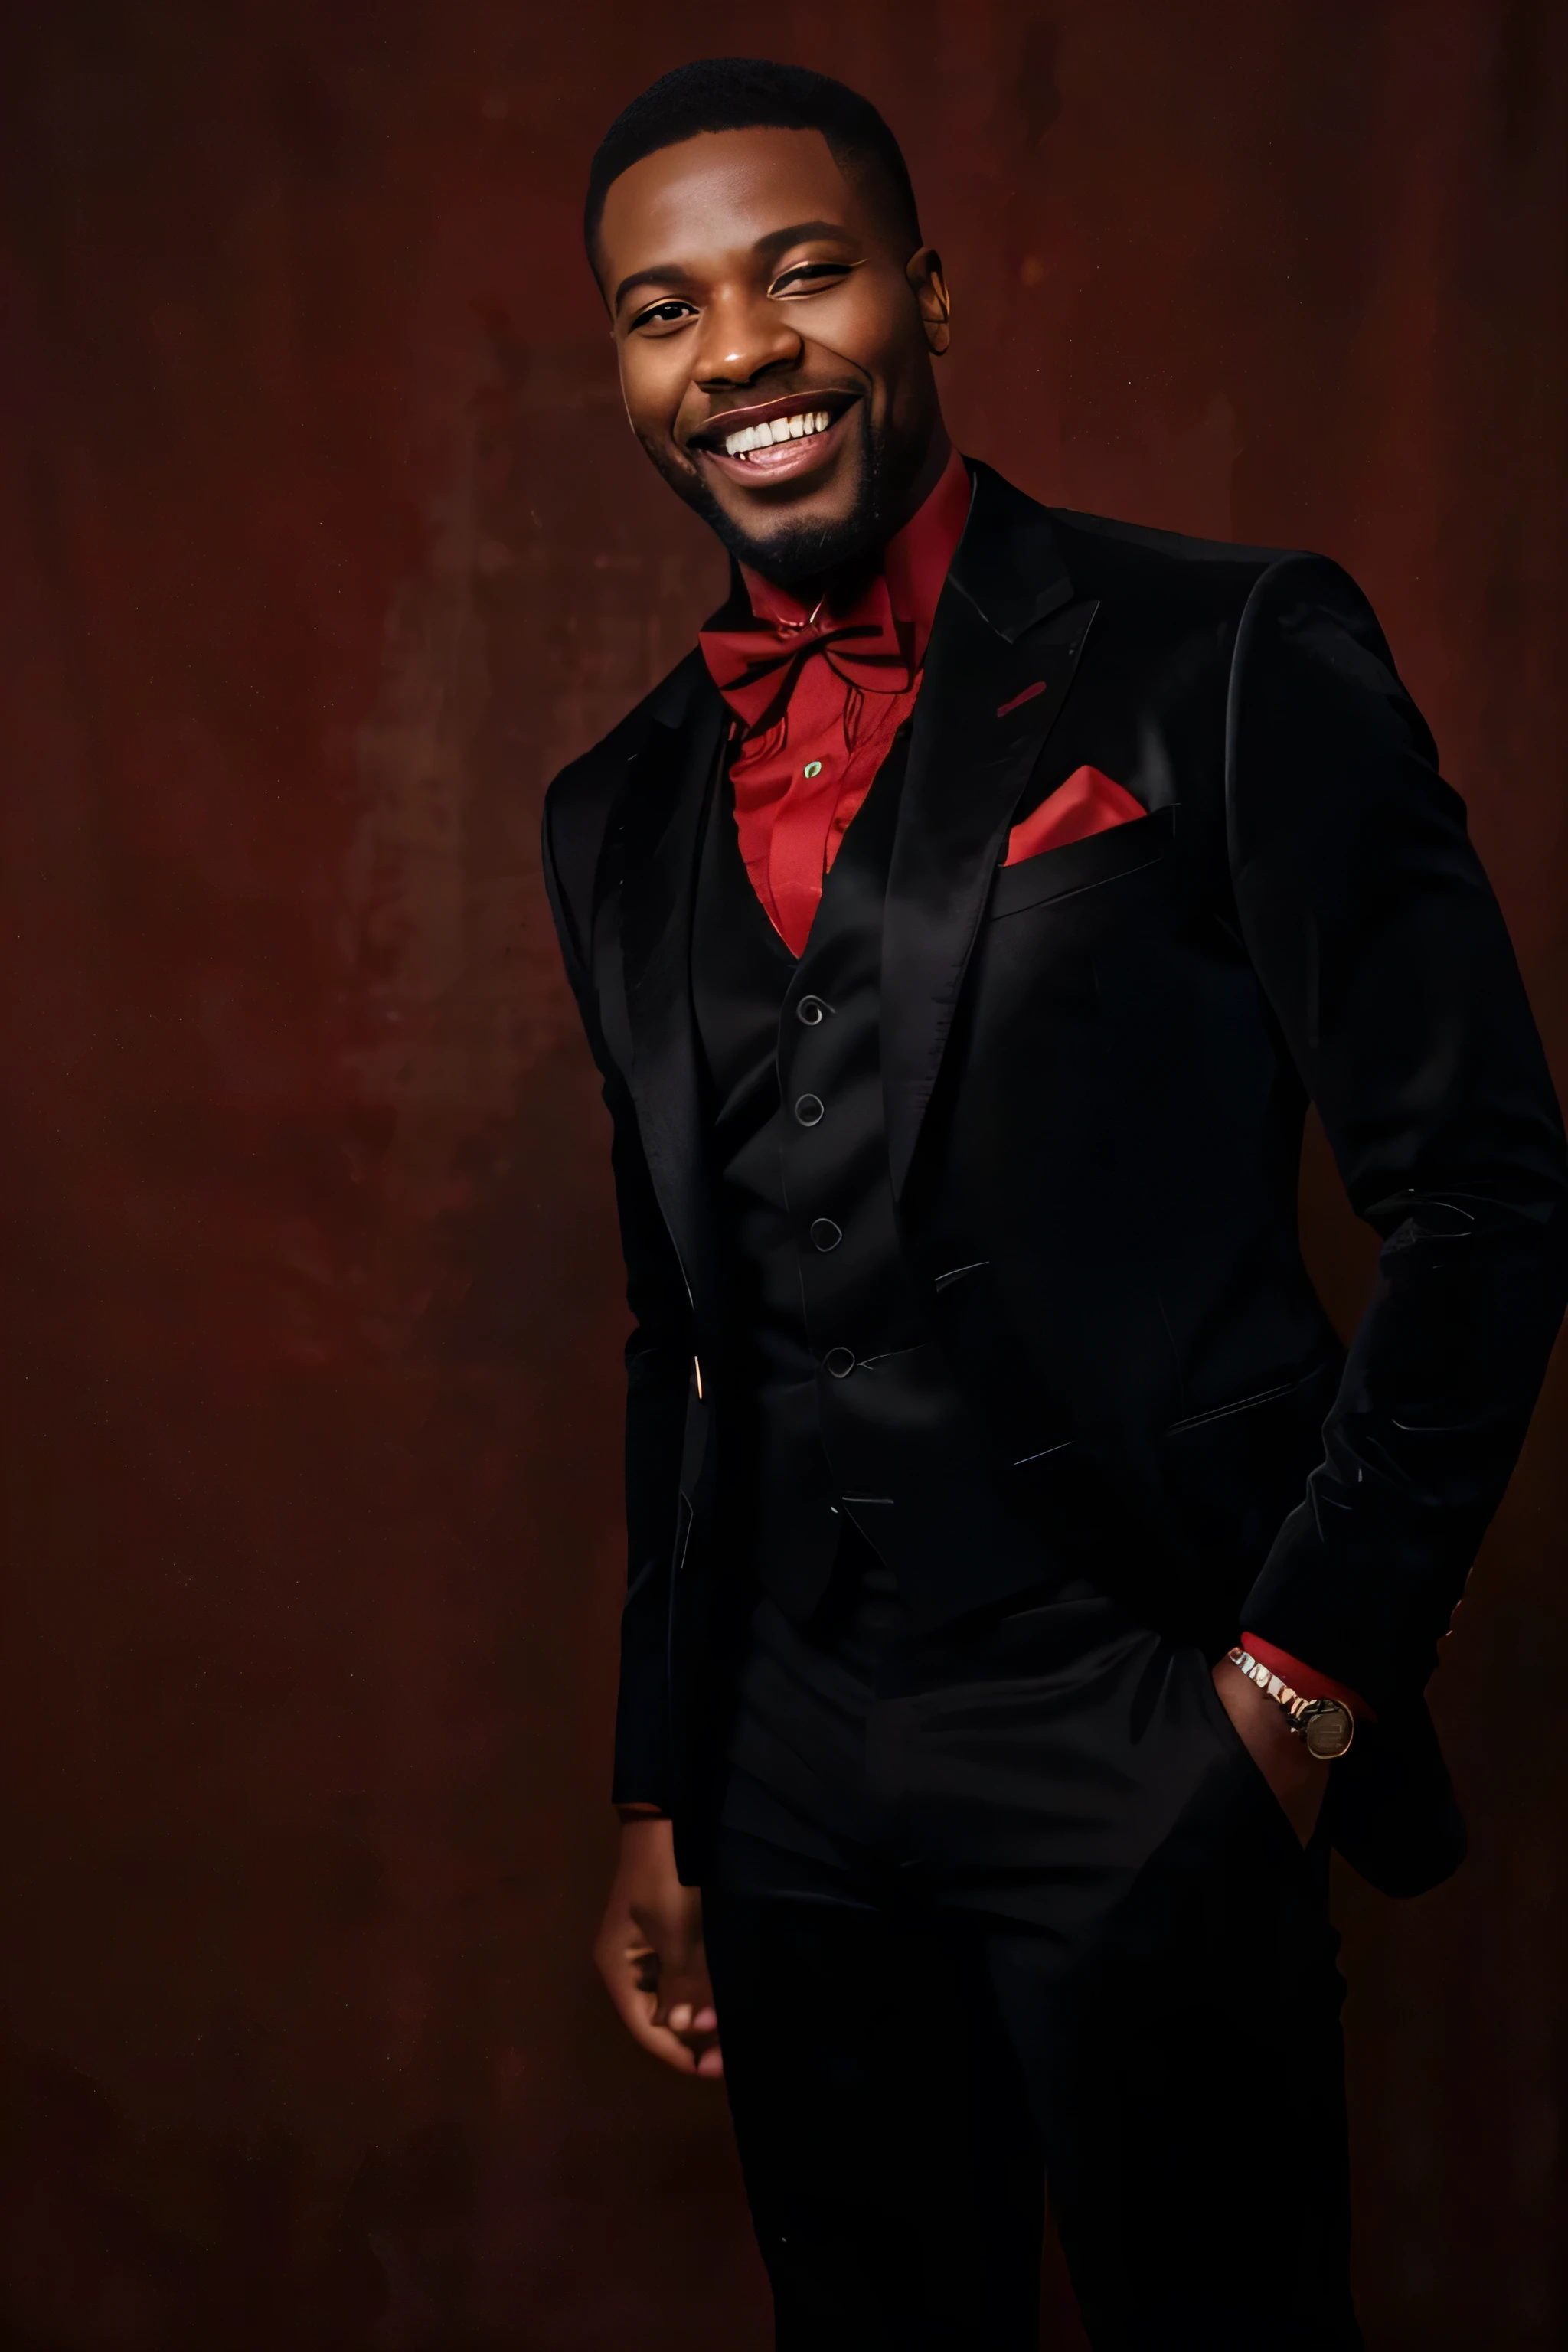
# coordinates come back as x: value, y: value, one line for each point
x: 1096, y: 1065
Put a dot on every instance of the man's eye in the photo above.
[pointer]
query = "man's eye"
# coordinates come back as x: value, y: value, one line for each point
x: 662, y: 316
x: 809, y: 277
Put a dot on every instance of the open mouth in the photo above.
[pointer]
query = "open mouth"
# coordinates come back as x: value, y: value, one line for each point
x: 776, y: 439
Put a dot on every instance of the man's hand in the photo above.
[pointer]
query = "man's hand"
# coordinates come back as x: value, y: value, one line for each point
x: 1299, y: 1779
x: 648, y: 1950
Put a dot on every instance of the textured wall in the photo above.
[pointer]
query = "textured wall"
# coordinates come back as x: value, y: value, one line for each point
x: 324, y: 543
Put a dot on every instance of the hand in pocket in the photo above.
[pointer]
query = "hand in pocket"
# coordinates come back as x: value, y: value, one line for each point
x: 1300, y: 1781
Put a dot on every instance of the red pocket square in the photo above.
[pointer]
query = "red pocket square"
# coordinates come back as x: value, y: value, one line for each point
x: 1087, y: 802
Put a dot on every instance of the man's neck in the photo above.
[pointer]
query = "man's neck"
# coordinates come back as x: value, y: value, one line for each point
x: 932, y: 467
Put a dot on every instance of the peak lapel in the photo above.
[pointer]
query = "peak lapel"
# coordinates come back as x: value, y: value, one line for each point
x: 1003, y: 652
x: 647, y: 903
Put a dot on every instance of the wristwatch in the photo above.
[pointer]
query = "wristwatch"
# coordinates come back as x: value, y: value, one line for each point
x: 1326, y: 1724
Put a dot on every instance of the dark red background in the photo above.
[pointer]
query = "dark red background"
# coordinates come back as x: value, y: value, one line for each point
x: 325, y: 544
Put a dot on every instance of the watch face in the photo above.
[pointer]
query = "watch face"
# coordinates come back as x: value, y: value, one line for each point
x: 1328, y: 1727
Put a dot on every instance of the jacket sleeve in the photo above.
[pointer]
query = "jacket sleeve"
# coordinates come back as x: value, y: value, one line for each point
x: 1383, y: 954
x: 659, y: 1357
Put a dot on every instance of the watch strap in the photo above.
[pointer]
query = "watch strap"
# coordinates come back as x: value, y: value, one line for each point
x: 1307, y: 1717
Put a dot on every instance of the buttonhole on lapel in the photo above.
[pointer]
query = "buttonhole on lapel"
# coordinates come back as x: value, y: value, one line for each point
x: 1028, y: 696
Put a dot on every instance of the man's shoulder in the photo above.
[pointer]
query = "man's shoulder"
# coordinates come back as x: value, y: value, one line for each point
x: 595, y: 773
x: 1176, y: 578
x: 1172, y: 578
x: 1105, y: 553
x: 579, y: 799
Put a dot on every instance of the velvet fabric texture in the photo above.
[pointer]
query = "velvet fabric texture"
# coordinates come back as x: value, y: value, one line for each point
x: 1094, y: 1069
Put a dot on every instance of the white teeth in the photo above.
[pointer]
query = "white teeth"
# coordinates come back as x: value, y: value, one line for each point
x: 774, y: 429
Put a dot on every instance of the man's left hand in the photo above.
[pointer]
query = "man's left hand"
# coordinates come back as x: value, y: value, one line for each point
x: 1299, y: 1779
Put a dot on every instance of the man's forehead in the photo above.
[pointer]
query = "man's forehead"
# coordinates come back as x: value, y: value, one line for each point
x: 720, y: 191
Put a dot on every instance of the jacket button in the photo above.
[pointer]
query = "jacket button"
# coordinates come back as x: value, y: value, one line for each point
x: 825, y: 1234
x: 810, y: 1010
x: 808, y: 1110
x: 839, y: 1361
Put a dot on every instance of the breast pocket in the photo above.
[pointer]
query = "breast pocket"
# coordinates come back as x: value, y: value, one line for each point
x: 1104, y: 858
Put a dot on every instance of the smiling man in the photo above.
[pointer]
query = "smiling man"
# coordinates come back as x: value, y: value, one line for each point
x: 1025, y: 1587
x: 797, y: 477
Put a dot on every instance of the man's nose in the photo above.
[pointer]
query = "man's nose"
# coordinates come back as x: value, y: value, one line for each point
x: 741, y: 339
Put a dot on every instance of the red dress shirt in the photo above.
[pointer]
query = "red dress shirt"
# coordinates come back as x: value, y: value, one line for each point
x: 814, y: 728
x: 817, y: 696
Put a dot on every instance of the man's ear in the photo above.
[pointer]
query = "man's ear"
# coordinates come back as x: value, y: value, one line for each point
x: 929, y: 285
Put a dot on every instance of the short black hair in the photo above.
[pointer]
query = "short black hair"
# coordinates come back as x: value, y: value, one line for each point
x: 749, y: 94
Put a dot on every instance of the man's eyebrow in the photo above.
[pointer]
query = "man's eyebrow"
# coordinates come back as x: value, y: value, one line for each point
x: 672, y: 274
x: 668, y: 273
x: 777, y: 238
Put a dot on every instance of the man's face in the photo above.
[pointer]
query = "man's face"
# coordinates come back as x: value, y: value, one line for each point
x: 775, y: 344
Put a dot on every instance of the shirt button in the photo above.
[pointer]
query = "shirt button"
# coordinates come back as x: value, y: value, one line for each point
x: 812, y: 770
x: 825, y: 1234
x: 811, y: 1010
x: 808, y: 1110
x: 839, y: 1361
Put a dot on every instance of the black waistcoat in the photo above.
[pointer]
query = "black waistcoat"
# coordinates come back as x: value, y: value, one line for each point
x: 847, y: 1406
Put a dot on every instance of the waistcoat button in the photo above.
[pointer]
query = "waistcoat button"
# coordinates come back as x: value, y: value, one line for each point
x: 825, y: 1234
x: 808, y: 1110
x: 839, y: 1361
x: 810, y: 1010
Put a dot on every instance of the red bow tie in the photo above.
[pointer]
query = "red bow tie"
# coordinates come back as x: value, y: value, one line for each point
x: 755, y: 669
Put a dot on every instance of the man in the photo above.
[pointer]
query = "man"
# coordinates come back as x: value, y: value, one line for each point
x: 1026, y: 1588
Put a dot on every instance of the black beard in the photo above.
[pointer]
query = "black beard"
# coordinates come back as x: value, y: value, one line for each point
x: 806, y: 550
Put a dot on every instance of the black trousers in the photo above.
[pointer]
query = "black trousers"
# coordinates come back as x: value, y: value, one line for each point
x: 908, y: 2074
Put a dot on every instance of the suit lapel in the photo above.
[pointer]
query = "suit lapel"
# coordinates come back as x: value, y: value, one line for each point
x: 646, y: 898
x: 1003, y: 648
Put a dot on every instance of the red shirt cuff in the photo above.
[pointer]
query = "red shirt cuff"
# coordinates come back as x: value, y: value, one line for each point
x: 1305, y: 1678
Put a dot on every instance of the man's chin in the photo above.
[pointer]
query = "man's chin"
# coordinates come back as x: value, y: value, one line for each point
x: 787, y: 546
x: 788, y: 543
